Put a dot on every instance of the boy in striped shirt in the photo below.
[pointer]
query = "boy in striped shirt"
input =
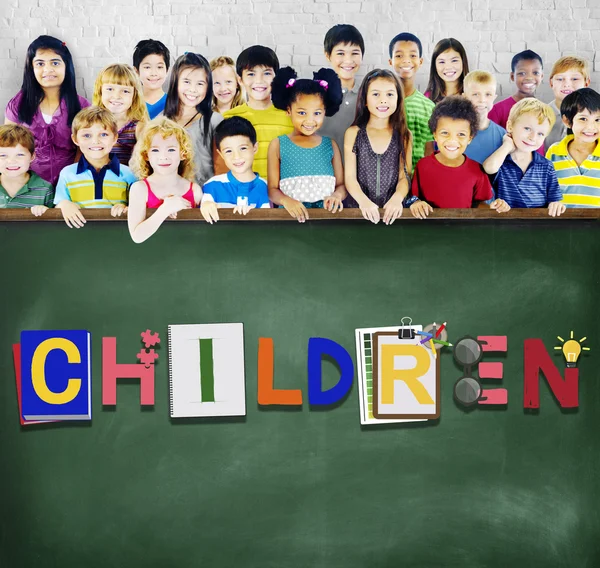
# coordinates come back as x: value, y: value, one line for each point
x: 98, y: 180
x: 524, y: 178
x: 406, y: 56
x: 576, y: 158
x: 19, y: 186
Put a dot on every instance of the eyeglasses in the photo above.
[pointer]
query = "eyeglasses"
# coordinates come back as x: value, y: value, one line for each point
x: 467, y: 352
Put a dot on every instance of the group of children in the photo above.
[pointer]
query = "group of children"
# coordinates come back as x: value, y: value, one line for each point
x: 251, y: 134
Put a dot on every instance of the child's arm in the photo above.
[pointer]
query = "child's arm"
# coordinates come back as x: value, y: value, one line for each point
x: 492, y: 163
x: 369, y: 210
x: 292, y: 206
x: 39, y: 210
x: 141, y: 228
x: 419, y: 209
x: 334, y: 203
x: 393, y: 208
x: 71, y: 212
x: 555, y: 206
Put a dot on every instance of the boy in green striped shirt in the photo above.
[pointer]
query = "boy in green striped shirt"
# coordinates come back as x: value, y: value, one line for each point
x: 19, y: 186
x: 576, y: 158
x: 406, y: 56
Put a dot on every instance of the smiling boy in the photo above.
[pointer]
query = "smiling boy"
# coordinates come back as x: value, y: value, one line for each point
x: 524, y: 178
x: 406, y: 57
x: 449, y: 179
x: 240, y: 188
x: 527, y: 72
x: 256, y: 67
x: 568, y: 74
x: 151, y: 60
x: 576, y: 158
x: 98, y: 180
x: 19, y: 186
x: 344, y: 49
x: 480, y: 89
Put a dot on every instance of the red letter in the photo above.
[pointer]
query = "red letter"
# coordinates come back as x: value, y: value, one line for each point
x: 267, y: 395
x: 537, y: 358
x: 111, y: 370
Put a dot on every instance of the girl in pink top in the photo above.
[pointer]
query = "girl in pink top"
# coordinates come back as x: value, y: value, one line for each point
x: 162, y: 160
x: 47, y: 104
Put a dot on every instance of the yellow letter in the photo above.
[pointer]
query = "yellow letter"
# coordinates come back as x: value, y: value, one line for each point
x: 38, y: 374
x: 410, y: 376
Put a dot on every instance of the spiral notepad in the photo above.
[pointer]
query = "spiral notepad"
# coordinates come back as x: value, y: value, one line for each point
x: 206, y: 370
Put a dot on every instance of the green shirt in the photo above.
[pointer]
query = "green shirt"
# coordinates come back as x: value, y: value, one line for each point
x: 418, y: 111
x: 36, y: 191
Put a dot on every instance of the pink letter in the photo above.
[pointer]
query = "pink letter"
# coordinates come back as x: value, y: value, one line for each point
x: 111, y: 371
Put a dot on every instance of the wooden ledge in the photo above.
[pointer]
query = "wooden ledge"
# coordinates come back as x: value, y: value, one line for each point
x: 314, y: 214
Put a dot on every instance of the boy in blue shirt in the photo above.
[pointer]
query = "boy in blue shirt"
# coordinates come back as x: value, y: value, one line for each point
x: 480, y: 88
x: 98, y: 180
x: 525, y: 178
x: 151, y: 61
x: 240, y: 188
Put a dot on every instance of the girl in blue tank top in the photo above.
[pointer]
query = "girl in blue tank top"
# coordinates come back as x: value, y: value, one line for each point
x: 304, y: 169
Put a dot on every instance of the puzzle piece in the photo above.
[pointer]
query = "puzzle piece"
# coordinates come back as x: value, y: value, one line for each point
x: 149, y: 338
x: 147, y: 357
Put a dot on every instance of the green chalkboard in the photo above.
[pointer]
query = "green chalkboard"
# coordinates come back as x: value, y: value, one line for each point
x: 305, y: 487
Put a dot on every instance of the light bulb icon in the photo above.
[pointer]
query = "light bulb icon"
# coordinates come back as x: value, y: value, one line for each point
x: 571, y: 349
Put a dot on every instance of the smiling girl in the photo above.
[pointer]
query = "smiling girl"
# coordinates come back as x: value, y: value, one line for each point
x: 449, y: 65
x: 189, y: 104
x: 305, y: 169
x: 47, y: 104
x: 227, y: 89
x: 163, y: 162
x: 118, y: 90
x: 378, y: 148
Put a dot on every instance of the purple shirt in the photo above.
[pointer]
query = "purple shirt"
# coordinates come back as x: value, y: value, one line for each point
x: 54, y: 148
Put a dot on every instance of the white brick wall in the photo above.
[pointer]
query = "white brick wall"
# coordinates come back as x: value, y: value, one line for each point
x: 100, y: 32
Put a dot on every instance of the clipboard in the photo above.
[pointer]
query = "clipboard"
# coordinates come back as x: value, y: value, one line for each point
x: 431, y: 383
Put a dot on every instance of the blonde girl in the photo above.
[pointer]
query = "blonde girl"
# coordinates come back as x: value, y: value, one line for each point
x: 227, y: 91
x: 163, y: 162
x: 118, y: 89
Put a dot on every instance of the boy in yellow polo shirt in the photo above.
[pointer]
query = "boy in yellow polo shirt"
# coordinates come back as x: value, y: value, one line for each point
x: 256, y: 66
x: 97, y: 180
x: 576, y: 158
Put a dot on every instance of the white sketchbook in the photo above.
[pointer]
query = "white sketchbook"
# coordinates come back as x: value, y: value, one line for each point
x: 206, y: 370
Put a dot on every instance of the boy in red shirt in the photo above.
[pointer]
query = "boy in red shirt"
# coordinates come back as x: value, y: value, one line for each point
x: 449, y: 179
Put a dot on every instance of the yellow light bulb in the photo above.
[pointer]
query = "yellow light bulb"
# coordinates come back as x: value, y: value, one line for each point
x: 571, y: 350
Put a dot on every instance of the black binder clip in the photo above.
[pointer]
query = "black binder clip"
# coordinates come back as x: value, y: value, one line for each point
x: 406, y: 331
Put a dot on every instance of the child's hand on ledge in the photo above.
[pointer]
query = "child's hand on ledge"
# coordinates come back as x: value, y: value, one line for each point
x: 118, y: 209
x: 392, y: 210
x: 333, y: 203
x: 420, y: 209
x: 295, y: 208
x: 38, y: 210
x: 500, y: 205
x: 243, y: 208
x: 72, y: 215
x: 556, y: 208
x: 209, y: 211
x: 369, y: 210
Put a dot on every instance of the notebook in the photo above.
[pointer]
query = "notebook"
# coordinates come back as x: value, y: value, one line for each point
x: 206, y: 370
x: 17, y: 362
x: 56, y: 375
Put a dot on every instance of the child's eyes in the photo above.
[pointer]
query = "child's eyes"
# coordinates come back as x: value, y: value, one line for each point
x: 104, y: 134
x: 153, y: 150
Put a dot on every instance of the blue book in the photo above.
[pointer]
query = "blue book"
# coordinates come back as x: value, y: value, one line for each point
x: 56, y: 373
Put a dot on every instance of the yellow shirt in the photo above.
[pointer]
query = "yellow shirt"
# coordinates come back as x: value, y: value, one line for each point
x: 269, y: 124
